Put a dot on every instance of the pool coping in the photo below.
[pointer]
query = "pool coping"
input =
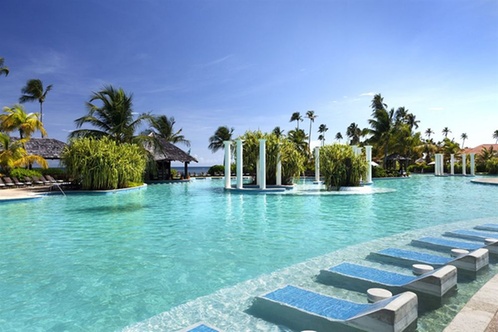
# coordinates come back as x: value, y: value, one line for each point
x: 480, y: 313
x: 486, y: 181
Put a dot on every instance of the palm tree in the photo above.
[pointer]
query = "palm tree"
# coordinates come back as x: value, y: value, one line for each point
x: 13, y: 154
x: 15, y: 118
x: 296, y: 116
x: 310, y: 115
x: 3, y: 69
x: 223, y: 133
x: 411, y: 121
x: 278, y: 132
x: 162, y: 127
x: 353, y: 132
x: 446, y: 131
x: 322, y: 129
x: 114, y: 118
x: 495, y: 136
x: 463, y: 137
x: 338, y: 136
x: 428, y: 133
x: 298, y: 138
x: 34, y: 91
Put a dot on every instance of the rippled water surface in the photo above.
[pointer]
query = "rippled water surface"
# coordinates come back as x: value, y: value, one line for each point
x: 93, y: 262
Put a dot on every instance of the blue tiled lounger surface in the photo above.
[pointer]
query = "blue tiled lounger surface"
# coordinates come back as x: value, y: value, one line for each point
x: 472, y: 262
x: 446, y: 244
x: 488, y: 227
x: 471, y: 235
x: 200, y: 327
x: 302, y: 309
x: 435, y: 283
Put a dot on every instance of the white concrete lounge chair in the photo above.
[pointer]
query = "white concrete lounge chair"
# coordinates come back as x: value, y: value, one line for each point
x: 360, y: 278
x: 200, y: 327
x: 488, y: 227
x: 471, y: 262
x: 301, y: 309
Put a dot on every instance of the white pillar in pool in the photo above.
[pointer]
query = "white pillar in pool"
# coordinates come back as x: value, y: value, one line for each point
x: 464, y: 164
x: 279, y: 169
x: 355, y: 147
x: 257, y: 173
x: 452, y: 164
x: 240, y: 182
x: 436, y: 164
x: 228, y: 157
x: 317, y: 164
x: 368, y: 153
x: 472, y: 164
x: 441, y: 164
x: 262, y: 163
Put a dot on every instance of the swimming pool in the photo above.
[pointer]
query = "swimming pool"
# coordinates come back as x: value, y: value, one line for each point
x: 92, y: 262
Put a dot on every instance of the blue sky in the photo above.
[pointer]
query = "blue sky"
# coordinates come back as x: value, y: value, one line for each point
x: 251, y: 64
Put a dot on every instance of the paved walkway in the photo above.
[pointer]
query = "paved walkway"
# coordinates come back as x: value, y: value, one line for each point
x: 18, y: 193
x: 480, y: 314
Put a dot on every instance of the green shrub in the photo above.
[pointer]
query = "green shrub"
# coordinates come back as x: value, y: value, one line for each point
x: 340, y: 166
x: 378, y: 172
x: 101, y: 164
x: 216, y: 169
x: 22, y: 172
x: 492, y: 166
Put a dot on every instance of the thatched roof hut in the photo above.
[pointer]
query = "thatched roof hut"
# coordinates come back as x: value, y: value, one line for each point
x: 165, y: 155
x: 48, y: 148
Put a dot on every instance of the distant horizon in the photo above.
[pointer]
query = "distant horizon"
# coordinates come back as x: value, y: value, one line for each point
x: 251, y: 64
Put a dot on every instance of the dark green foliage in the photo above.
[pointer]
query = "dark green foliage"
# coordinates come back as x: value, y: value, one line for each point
x: 340, y: 166
x: 102, y: 164
x: 22, y: 172
x: 216, y: 169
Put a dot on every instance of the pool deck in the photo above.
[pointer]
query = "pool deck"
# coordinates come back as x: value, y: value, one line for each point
x: 489, y: 181
x: 480, y: 314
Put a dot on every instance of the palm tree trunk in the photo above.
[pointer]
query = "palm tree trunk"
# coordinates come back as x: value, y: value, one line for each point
x: 41, y: 115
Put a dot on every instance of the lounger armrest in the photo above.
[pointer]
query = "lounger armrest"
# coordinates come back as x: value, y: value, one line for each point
x: 474, y: 261
x: 399, y: 313
x: 436, y: 283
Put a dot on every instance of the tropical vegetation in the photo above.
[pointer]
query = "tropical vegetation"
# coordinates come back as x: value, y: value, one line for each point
x: 34, y: 91
x: 340, y: 166
x: 104, y: 163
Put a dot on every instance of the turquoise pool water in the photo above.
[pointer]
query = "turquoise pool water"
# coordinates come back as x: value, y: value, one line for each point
x: 101, y: 263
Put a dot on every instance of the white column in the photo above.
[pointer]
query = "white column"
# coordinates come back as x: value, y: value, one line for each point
x: 358, y: 151
x: 368, y: 153
x: 317, y: 164
x: 464, y: 164
x: 355, y: 147
x: 441, y: 164
x: 240, y: 182
x: 258, y: 176
x: 472, y: 164
x: 452, y: 164
x: 436, y: 164
x: 262, y: 163
x: 279, y: 169
x: 228, y: 157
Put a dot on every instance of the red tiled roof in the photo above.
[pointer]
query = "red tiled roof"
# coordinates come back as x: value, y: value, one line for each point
x: 478, y: 149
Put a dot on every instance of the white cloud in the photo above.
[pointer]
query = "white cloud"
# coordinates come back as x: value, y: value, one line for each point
x: 436, y: 108
x: 368, y: 94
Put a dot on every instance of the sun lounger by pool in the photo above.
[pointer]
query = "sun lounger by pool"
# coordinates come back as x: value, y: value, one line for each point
x: 2, y: 185
x: 471, y: 235
x: 301, y: 309
x: 8, y: 182
x: 200, y: 327
x: 446, y: 244
x: 488, y: 227
x: 471, y: 262
x: 360, y: 278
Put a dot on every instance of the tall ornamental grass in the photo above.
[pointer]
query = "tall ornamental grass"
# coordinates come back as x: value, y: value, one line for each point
x: 340, y: 167
x: 102, y: 164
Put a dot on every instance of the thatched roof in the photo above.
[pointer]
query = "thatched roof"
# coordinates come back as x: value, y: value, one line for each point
x: 48, y: 148
x: 170, y: 152
x: 398, y: 157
